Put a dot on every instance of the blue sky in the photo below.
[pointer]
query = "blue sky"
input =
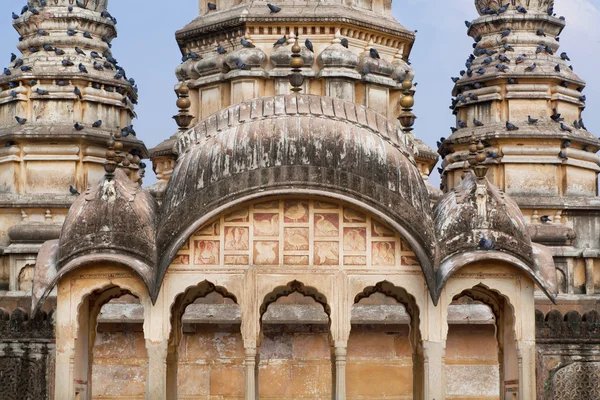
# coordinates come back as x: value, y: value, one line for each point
x: 146, y: 47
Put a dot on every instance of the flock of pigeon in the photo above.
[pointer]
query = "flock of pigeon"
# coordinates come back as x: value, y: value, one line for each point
x: 280, y: 42
x: 100, y: 62
x: 503, y: 66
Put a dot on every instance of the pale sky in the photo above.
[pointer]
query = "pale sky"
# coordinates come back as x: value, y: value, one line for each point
x: 146, y: 48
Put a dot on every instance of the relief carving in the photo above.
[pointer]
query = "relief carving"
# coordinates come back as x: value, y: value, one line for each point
x: 577, y: 381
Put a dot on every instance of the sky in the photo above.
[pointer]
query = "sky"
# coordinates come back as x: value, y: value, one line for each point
x: 146, y: 47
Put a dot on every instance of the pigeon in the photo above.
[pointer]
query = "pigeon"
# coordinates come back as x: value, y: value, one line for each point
x: 453, y: 129
x: 78, y: 126
x: 308, y: 44
x: 539, y: 49
x: 67, y: 63
x: 478, y: 85
x: 26, y: 68
x: 512, y: 81
x: 247, y: 44
x: 461, y: 124
x: 486, y: 244
x: 564, y: 84
x: 583, y: 99
x: 468, y: 24
x: 280, y: 41
x: 21, y: 121
x: 473, y: 97
x: 18, y: 63
x: 24, y: 9
x: 505, y: 32
x: 586, y: 149
x: 576, y: 124
x: 82, y: 68
x: 503, y: 59
x: 7, y: 72
x: 98, y: 66
x: 71, y: 32
x: 344, y: 42
x: 97, y: 124
x: 581, y: 124
x: 13, y: 57
x: 549, y: 50
x: 502, y: 67
x: 531, y: 68
x: 95, y: 55
x: 13, y: 94
x: 511, y: 127
x: 221, y: 50
x: 455, y: 80
x: 15, y: 16
x: 274, y: 9
x: 119, y: 75
x: 373, y: 53
x: 557, y: 68
x: 240, y: 65
x: 477, y: 122
x: 10, y: 143
x: 13, y: 85
x: 487, y: 61
x: 73, y: 191
x: 42, y: 32
x: 77, y: 92
x: 70, y: 8
x: 34, y: 49
x: 41, y: 92
x: 211, y: 6
x: 47, y: 47
x: 508, y: 47
x: 562, y: 155
x: 545, y: 219
x: 556, y: 116
x: 565, y: 128
x: 32, y: 82
x: 540, y: 32
x: 79, y: 4
x: 79, y: 51
x: 493, y: 155
x: 564, y: 56
x: 503, y: 9
x: 522, y: 9
x: 550, y: 11
x: 365, y: 70
x: 481, y: 71
x: 87, y: 35
x: 62, y: 83
x: 59, y: 52
x: 194, y: 56
x: 532, y: 121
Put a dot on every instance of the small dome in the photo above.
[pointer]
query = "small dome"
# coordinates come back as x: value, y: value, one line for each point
x: 111, y: 221
x: 402, y: 69
x: 253, y: 58
x: 376, y: 66
x: 282, y: 56
x: 476, y: 209
x: 186, y: 71
x: 337, y: 56
x: 212, y: 63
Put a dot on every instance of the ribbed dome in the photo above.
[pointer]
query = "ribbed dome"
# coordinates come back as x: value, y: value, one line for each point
x: 337, y: 56
x: 376, y: 66
x: 476, y: 209
x: 295, y: 144
x: 114, y: 218
x: 253, y: 58
x: 282, y: 56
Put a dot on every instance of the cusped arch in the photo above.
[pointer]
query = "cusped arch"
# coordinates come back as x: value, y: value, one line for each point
x: 280, y: 145
x: 294, y: 286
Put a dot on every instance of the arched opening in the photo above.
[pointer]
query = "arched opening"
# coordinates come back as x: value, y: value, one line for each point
x: 110, y: 355
x: 206, y: 351
x: 119, y: 359
x: 385, y: 355
x: 481, y: 350
x: 294, y: 357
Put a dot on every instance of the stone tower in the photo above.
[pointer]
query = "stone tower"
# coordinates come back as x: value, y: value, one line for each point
x: 339, y: 65
x: 60, y: 99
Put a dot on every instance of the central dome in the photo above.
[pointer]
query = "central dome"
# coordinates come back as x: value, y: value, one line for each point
x: 288, y: 145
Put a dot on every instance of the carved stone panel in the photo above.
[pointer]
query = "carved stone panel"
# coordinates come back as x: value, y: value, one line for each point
x: 577, y: 381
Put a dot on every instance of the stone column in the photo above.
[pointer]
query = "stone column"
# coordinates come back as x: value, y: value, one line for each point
x: 251, y: 377
x: 434, y: 369
x: 156, y: 378
x: 527, y: 383
x: 340, y: 370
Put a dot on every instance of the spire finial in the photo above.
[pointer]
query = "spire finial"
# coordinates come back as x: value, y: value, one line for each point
x: 406, y: 117
x: 296, y: 78
x: 184, y: 118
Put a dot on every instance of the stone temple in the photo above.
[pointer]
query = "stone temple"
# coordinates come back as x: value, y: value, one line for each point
x: 292, y: 247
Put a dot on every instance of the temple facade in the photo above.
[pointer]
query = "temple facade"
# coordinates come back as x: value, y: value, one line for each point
x: 292, y: 247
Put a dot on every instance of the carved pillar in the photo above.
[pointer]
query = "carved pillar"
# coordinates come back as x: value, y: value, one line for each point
x: 434, y: 368
x: 340, y: 370
x: 251, y: 376
x: 156, y: 378
x: 526, y: 354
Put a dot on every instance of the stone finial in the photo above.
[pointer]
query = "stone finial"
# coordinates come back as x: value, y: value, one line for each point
x: 477, y: 157
x: 296, y: 63
x: 114, y: 146
x: 406, y: 117
x: 337, y: 38
x: 184, y: 118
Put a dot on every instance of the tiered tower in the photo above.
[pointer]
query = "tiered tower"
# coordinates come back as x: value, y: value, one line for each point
x: 339, y: 65
x: 521, y: 96
x: 60, y: 100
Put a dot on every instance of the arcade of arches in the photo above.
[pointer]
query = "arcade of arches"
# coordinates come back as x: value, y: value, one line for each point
x: 295, y: 298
